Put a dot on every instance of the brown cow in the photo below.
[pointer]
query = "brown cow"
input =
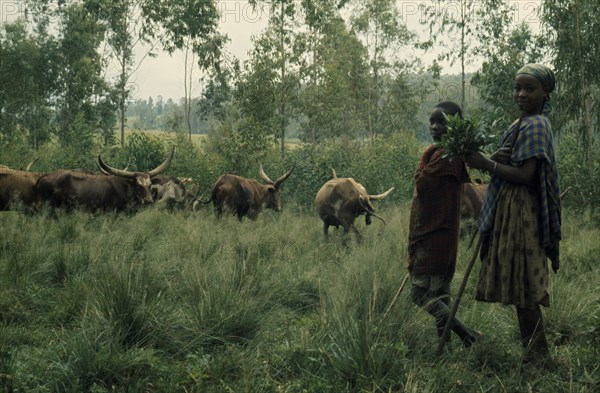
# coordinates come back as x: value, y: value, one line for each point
x: 341, y: 200
x: 472, y: 200
x: 246, y: 197
x: 18, y: 186
x: 118, y: 191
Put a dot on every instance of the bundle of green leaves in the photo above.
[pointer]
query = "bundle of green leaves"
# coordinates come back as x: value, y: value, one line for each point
x: 467, y: 134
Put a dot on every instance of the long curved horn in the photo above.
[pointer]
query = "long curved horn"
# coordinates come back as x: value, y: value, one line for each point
x: 163, y: 167
x: 283, y: 177
x: 28, y: 167
x: 381, y: 196
x: 262, y: 174
x: 101, y: 170
x: 333, y: 173
x: 106, y: 169
x: 106, y: 173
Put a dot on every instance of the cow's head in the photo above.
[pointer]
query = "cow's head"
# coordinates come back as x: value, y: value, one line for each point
x: 273, y: 198
x: 140, y: 181
x: 365, y: 201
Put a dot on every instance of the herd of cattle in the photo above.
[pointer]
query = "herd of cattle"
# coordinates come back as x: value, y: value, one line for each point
x: 111, y: 190
x: 338, y: 203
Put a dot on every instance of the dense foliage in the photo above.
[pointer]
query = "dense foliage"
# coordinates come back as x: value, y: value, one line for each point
x: 468, y: 134
x: 378, y: 164
x: 319, y: 70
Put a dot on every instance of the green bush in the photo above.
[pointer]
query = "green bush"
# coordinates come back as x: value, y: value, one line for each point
x: 143, y: 151
x: 577, y: 173
x: 233, y: 147
x: 377, y: 164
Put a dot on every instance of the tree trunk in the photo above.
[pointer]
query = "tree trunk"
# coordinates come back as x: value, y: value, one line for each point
x: 123, y: 85
x: 586, y: 98
x: 122, y: 100
x: 187, y: 86
x: 462, y: 55
x: 283, y: 87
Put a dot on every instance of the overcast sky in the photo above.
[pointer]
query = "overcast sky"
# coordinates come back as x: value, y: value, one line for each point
x: 164, y: 75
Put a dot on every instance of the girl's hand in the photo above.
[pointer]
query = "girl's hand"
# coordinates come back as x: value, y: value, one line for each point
x: 502, y: 155
x: 476, y: 160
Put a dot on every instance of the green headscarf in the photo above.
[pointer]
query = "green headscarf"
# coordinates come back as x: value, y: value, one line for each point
x: 545, y: 76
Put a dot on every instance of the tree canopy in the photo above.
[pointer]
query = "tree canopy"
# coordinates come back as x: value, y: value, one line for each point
x: 320, y: 69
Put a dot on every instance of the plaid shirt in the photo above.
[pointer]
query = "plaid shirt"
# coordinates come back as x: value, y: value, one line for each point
x: 535, y: 140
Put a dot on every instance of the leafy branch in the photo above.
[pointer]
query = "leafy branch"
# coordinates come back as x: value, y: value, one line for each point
x: 468, y: 134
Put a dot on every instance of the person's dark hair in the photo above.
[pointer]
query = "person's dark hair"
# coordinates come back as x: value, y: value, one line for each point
x: 450, y: 108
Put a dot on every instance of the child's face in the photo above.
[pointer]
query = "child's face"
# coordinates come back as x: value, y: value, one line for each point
x: 437, y: 124
x: 529, y: 94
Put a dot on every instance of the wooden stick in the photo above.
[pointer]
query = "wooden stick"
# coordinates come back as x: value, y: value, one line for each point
x: 404, y: 280
x: 450, y: 320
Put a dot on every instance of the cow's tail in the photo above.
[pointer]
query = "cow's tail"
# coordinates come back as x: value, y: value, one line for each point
x: 197, y: 199
x: 213, y: 196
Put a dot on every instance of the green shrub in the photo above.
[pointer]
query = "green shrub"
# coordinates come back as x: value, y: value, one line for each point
x: 377, y: 164
x: 143, y: 152
x: 577, y: 173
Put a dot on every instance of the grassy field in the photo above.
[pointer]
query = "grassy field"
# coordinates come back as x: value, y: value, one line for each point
x: 181, y: 302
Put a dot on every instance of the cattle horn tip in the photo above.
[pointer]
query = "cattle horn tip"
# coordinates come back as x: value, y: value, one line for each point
x: 284, y: 176
x: 381, y: 196
x: 28, y: 167
x: 107, y: 169
x: 165, y: 164
x: 262, y: 174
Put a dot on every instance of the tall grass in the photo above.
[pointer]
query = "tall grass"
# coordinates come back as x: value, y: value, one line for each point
x: 185, y: 302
